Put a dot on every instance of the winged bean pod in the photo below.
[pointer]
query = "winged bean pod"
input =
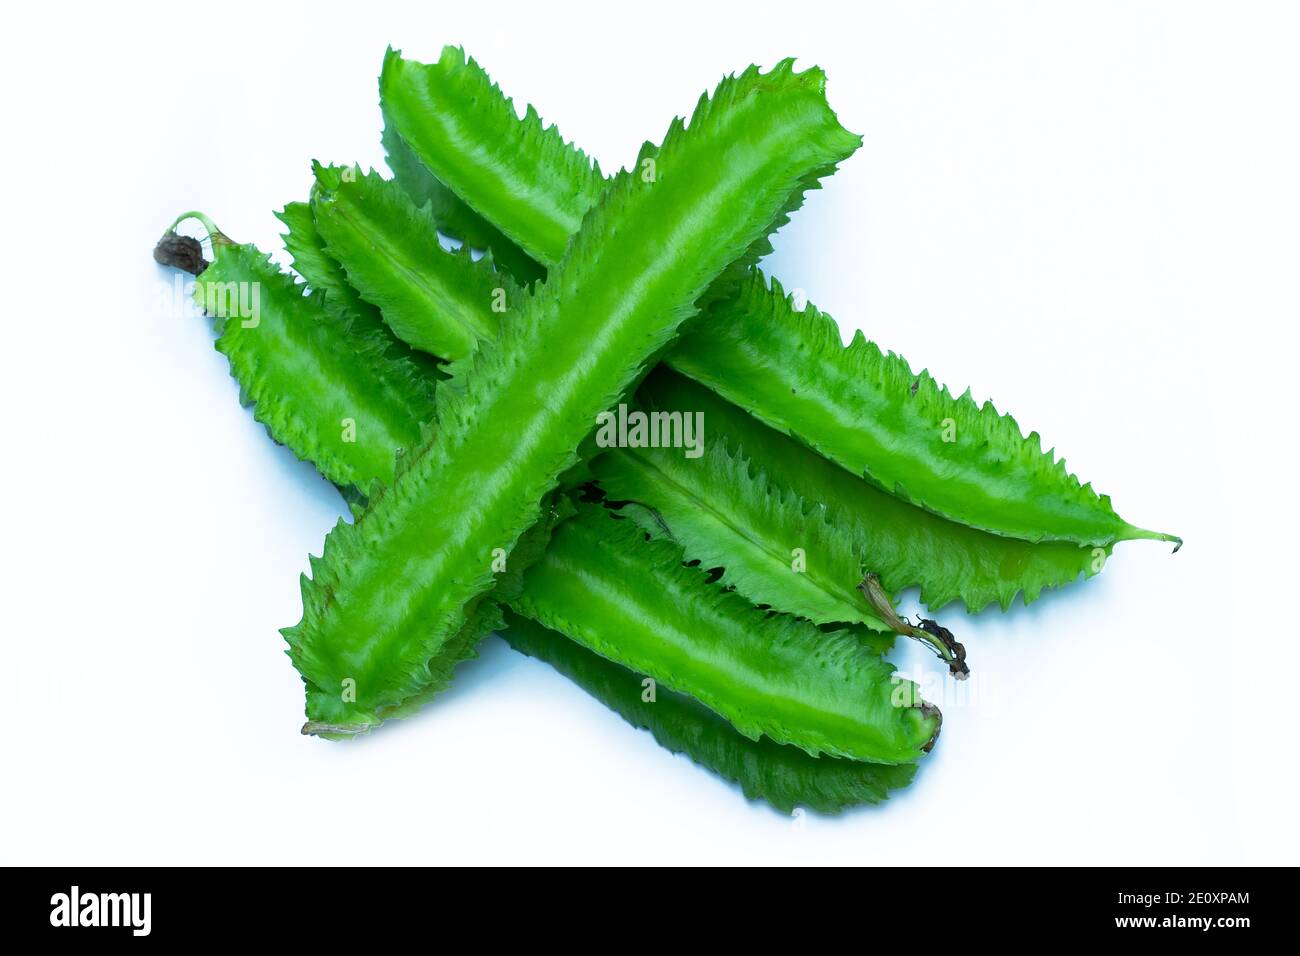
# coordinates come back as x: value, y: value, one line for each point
x: 785, y: 777
x: 772, y: 675
x: 295, y: 338
x: 907, y: 546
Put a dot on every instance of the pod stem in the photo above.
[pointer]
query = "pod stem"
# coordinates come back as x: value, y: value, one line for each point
x: 928, y: 631
x: 185, y: 252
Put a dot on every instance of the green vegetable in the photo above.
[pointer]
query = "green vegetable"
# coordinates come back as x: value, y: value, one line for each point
x: 390, y: 589
x: 455, y: 220
x: 442, y: 311
x: 908, y: 435
x: 768, y: 674
x: 374, y: 391
x: 306, y: 248
x: 521, y: 177
x: 771, y: 546
x: 868, y: 412
x: 785, y: 777
x: 829, y: 475
x: 326, y: 278
x: 905, y: 545
x: 774, y: 547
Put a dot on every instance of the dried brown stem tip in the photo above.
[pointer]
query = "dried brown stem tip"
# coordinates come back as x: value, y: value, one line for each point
x: 180, y: 252
x: 929, y: 710
x: 928, y: 631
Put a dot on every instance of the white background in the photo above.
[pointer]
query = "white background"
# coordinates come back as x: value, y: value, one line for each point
x: 1087, y: 212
